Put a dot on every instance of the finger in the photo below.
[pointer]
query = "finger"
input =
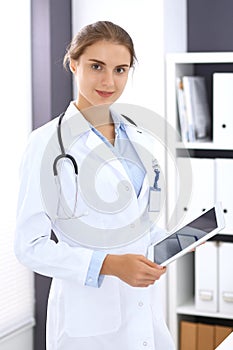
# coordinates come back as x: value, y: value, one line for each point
x: 154, y: 274
x: 156, y: 269
x: 152, y: 264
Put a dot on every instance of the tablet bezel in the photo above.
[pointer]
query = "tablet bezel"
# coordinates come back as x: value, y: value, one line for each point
x: 220, y: 225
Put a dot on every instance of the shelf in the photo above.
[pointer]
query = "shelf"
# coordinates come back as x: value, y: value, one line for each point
x: 189, y: 309
x: 226, y: 232
x: 179, y: 65
x: 203, y: 145
x: 200, y: 57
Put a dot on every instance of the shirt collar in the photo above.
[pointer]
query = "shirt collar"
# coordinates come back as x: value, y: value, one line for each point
x: 117, y: 118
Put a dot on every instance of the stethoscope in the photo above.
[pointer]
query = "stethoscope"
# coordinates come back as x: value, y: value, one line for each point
x: 155, y: 190
x: 68, y: 213
x: 62, y: 148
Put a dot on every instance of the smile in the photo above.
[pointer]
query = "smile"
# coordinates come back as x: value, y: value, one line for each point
x: 104, y: 93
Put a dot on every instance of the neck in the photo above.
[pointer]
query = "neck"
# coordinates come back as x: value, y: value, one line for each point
x: 97, y: 115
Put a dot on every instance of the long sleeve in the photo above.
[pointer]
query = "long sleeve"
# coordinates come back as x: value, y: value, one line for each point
x: 94, y: 279
x: 33, y: 245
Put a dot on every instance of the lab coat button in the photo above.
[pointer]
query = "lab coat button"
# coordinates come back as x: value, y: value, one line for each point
x: 132, y: 225
x: 90, y: 280
x: 140, y: 303
x: 145, y: 343
x: 127, y: 188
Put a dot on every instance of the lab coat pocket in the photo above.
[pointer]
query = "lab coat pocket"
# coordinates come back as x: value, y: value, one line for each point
x: 92, y: 311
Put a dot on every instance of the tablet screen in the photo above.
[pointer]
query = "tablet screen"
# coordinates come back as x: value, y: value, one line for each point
x: 186, y: 236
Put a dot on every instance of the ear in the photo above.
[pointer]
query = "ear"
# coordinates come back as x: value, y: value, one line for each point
x: 73, y: 66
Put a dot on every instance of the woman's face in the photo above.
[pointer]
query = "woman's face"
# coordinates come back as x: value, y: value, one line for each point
x: 101, y: 73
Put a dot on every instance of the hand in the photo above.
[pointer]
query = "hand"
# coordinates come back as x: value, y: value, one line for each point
x: 136, y: 270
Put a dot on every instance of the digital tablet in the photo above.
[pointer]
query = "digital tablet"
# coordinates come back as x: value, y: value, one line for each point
x: 187, y: 237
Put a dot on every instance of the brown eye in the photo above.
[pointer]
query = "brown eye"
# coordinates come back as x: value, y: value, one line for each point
x: 96, y: 66
x: 120, y: 70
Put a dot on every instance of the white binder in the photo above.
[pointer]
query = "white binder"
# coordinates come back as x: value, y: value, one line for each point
x: 206, y: 277
x: 201, y: 194
x: 224, y: 189
x: 223, y: 109
x: 225, y: 278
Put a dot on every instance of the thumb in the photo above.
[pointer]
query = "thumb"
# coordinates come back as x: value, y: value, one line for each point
x: 154, y: 265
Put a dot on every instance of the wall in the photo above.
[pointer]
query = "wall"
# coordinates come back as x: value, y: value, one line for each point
x: 144, y: 22
x: 175, y: 26
x: 156, y: 27
x: 51, y: 33
x: 51, y: 93
x: 210, y: 25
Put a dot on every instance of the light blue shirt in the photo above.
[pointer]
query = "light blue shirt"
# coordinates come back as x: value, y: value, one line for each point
x: 124, y: 150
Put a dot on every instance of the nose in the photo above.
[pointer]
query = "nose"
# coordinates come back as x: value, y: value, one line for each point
x: 108, y: 78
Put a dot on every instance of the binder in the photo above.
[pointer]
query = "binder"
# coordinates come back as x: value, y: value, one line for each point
x: 225, y: 278
x: 206, y: 277
x: 205, y: 338
x: 221, y: 333
x: 200, y: 336
x: 182, y: 113
x: 199, y: 193
x: 227, y: 343
x: 189, y: 109
x: 198, y: 113
x: 223, y: 108
x: 188, y: 335
x: 224, y: 189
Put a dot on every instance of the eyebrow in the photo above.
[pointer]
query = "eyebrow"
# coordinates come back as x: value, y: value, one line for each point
x: 101, y: 62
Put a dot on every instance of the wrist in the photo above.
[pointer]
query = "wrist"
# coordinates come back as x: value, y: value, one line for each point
x: 109, y: 264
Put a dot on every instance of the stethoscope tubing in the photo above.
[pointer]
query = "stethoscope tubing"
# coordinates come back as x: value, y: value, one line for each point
x: 63, y: 153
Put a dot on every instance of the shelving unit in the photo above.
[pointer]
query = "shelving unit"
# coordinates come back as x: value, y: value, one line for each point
x: 202, y: 145
x: 189, y: 309
x: 181, y: 273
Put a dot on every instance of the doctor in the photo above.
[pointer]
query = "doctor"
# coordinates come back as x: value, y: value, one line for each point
x: 106, y: 296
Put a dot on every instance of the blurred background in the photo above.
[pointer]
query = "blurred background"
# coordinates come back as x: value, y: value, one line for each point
x: 35, y: 88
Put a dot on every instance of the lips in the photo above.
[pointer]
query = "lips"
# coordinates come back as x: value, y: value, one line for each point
x: 104, y: 94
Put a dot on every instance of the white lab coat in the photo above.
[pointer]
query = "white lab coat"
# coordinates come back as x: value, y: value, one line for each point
x: 114, y: 316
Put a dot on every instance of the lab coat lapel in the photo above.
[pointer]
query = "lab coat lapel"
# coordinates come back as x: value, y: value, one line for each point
x: 143, y: 148
x: 75, y: 126
x: 108, y: 158
x: 105, y: 154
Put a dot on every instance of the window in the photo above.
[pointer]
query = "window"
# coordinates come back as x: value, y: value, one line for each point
x: 16, y: 282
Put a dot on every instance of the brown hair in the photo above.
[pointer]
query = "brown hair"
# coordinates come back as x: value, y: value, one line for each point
x: 90, y: 34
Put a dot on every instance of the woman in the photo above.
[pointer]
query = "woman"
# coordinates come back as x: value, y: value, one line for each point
x: 104, y: 293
